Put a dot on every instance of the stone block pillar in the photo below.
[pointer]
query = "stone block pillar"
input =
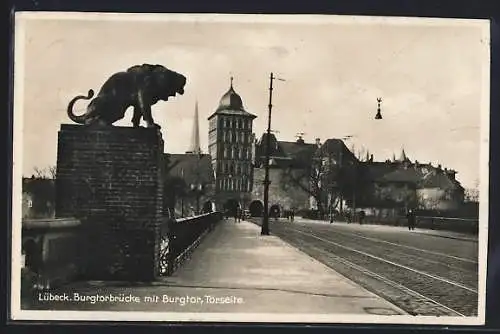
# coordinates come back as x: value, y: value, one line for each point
x: 111, y: 178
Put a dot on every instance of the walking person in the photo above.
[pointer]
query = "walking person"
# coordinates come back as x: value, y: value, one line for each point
x: 241, y: 214
x: 236, y: 214
x: 411, y: 219
x: 361, y: 217
x: 292, y: 215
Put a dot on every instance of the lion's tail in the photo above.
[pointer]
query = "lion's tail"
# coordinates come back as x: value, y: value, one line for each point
x: 80, y: 119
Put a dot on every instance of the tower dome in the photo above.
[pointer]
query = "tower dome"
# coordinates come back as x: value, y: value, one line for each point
x: 231, y: 100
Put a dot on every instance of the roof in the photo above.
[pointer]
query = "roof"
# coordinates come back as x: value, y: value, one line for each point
x: 299, y: 151
x: 231, y: 104
x: 190, y: 167
x: 334, y: 146
x: 375, y: 170
x: 403, y: 175
x: 440, y: 180
x: 396, y: 172
x: 286, y: 153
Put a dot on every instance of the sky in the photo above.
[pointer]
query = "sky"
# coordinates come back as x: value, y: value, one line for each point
x: 430, y: 76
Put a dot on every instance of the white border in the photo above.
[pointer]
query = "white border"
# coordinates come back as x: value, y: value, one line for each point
x: 18, y: 314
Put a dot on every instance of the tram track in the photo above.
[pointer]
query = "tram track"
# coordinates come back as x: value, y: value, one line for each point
x: 422, y: 283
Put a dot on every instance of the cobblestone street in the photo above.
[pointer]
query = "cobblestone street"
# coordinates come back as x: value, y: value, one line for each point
x: 423, y: 273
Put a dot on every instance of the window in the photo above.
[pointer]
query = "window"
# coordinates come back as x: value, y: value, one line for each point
x: 238, y: 170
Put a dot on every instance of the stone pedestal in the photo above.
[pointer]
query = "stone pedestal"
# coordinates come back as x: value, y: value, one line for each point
x: 111, y: 179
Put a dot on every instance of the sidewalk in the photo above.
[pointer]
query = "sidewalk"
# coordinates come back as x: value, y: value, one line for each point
x: 235, y: 269
x: 436, y: 233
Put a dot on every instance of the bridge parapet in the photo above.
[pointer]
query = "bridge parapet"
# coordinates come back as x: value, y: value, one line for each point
x: 50, y: 252
x: 179, y: 237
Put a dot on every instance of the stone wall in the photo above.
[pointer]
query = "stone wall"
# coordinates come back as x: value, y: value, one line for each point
x: 111, y: 179
x: 284, y: 193
x: 51, y: 252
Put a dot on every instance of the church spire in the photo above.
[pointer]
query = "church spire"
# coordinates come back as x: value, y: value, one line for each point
x: 195, y: 137
x: 403, y: 156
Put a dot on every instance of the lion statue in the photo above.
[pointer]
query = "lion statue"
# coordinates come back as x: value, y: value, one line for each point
x: 140, y: 87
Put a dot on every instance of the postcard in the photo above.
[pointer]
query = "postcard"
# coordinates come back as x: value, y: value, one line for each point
x: 250, y: 168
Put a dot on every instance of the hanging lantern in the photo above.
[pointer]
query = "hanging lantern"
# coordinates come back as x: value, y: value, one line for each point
x: 378, y: 115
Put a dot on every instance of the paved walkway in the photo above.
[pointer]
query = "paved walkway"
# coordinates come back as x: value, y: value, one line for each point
x: 437, y: 233
x: 235, y: 269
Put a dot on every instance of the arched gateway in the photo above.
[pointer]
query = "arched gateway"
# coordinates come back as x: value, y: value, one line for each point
x: 256, y: 208
x: 231, y: 206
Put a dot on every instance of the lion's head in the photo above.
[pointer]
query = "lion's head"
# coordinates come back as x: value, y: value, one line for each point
x: 163, y: 82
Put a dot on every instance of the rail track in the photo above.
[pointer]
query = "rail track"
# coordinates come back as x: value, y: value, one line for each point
x: 419, y: 281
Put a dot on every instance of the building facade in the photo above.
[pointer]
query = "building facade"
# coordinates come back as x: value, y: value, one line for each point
x: 230, y: 145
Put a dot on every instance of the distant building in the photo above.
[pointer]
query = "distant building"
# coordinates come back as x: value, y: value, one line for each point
x: 289, y: 166
x: 303, y: 175
x: 346, y: 182
x: 230, y: 143
x: 189, y: 183
x: 396, y: 185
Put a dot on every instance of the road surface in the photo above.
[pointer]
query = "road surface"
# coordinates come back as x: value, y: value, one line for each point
x: 424, y: 274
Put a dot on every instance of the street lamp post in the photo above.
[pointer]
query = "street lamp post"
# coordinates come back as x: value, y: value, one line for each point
x: 267, y: 182
x: 265, y: 220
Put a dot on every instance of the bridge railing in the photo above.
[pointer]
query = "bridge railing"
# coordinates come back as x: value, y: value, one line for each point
x: 452, y: 224
x: 463, y: 225
x: 179, y: 237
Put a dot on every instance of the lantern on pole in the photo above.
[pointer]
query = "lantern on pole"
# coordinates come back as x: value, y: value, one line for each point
x: 378, y: 115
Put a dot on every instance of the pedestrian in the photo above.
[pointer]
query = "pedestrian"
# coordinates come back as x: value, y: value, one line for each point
x: 236, y: 214
x: 292, y: 215
x: 411, y: 219
x: 361, y: 217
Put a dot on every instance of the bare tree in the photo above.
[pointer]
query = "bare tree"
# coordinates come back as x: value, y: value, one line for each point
x: 45, y: 173
x: 52, y: 171
x: 320, y: 179
x: 471, y: 195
